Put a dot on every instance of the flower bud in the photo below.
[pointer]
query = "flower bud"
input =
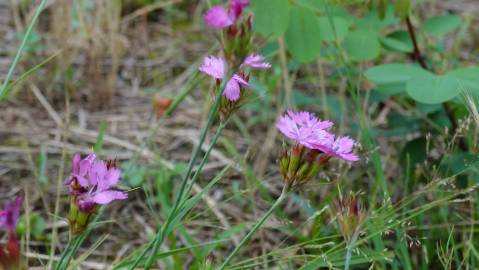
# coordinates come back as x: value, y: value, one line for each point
x: 350, y: 216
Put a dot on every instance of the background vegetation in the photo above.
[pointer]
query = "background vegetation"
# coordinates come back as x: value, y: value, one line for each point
x: 400, y: 76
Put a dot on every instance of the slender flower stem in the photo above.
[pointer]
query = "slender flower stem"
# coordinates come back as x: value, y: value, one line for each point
x: 254, y: 229
x: 166, y: 226
x: 160, y: 236
x: 349, y: 251
x: 65, y: 252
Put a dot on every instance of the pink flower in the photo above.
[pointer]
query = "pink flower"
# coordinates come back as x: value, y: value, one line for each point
x: 307, y: 119
x: 97, y: 186
x: 256, y: 61
x: 233, y: 87
x: 81, y: 168
x: 308, y: 130
x: 218, y: 17
x: 307, y: 133
x: 341, y: 147
x: 236, y: 8
x: 10, y: 214
x: 213, y: 66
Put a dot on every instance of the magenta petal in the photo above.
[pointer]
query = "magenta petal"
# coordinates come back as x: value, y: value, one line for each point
x: 112, y: 178
x: 213, y: 66
x: 97, y: 172
x: 105, y: 197
x: 82, y: 181
x: 217, y: 17
x: 241, y: 81
x: 256, y: 61
x: 10, y: 214
x: 86, y: 163
x: 236, y: 8
x: 232, y: 90
x: 76, y: 161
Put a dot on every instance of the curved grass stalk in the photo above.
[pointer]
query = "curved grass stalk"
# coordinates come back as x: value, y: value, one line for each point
x: 254, y: 229
x: 160, y: 236
x: 4, y: 88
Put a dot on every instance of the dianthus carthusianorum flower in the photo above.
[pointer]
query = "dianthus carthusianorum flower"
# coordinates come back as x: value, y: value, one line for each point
x: 10, y: 214
x: 304, y: 128
x: 313, y: 146
x: 10, y: 253
x: 218, y: 17
x: 215, y: 67
x: 91, y: 183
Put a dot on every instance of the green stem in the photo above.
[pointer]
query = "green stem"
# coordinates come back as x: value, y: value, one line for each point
x: 159, y: 238
x: 205, y: 158
x: 349, y: 251
x: 65, y: 253
x: 3, y: 90
x: 254, y: 229
x: 165, y: 228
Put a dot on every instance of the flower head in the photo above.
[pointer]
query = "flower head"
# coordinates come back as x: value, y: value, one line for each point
x: 255, y: 61
x: 218, y: 17
x: 233, y: 87
x: 314, y: 147
x: 213, y: 66
x: 304, y: 128
x: 10, y: 214
x: 350, y: 215
x: 95, y: 184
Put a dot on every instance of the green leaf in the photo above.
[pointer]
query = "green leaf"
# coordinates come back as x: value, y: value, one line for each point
x: 440, y: 25
x: 398, y: 41
x: 271, y: 17
x: 362, y: 45
x: 468, y: 78
x: 432, y: 89
x: 392, y: 73
x: 99, y: 139
x: 134, y: 174
x: 329, y: 33
x: 303, y: 35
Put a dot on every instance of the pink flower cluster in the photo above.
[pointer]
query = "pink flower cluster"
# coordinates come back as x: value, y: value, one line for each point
x: 10, y: 252
x: 306, y: 129
x: 10, y: 214
x: 92, y: 182
x: 218, y: 17
x: 215, y: 67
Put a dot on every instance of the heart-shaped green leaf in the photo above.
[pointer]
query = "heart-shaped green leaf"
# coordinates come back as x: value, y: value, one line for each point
x: 303, y: 35
x: 271, y: 17
x: 440, y: 25
x: 362, y: 45
x: 432, y: 89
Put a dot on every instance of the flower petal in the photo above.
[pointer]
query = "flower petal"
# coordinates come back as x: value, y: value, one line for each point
x: 76, y: 161
x: 213, y: 66
x: 255, y: 61
x: 236, y: 8
x: 10, y: 214
x: 232, y: 90
x: 218, y: 17
x: 105, y: 197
